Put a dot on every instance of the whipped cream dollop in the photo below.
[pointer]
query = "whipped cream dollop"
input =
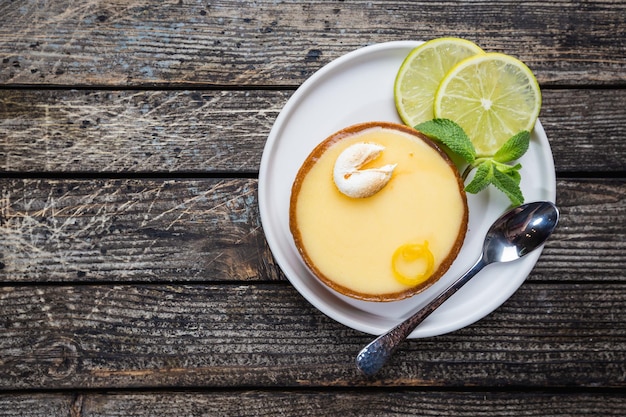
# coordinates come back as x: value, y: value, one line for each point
x: 355, y: 182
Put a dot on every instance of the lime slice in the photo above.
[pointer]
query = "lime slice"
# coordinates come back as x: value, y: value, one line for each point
x: 492, y: 97
x: 422, y: 71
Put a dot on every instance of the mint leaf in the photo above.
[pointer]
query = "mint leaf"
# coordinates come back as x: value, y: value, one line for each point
x: 482, y: 178
x: 514, y: 175
x: 508, y: 186
x: 511, y: 170
x: 504, y: 177
x: 513, y: 148
x: 493, y: 170
x: 450, y: 134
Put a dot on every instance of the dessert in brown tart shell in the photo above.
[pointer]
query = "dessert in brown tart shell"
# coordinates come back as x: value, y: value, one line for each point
x: 298, y: 240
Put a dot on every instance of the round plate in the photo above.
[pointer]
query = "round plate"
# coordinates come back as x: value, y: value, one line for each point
x: 355, y: 88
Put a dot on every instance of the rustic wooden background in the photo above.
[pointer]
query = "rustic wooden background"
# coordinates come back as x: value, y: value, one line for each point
x: 135, y: 275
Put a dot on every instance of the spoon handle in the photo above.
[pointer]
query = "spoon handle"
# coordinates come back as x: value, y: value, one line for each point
x: 373, y: 356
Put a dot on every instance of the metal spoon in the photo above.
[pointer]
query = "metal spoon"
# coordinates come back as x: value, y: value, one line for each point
x: 515, y: 234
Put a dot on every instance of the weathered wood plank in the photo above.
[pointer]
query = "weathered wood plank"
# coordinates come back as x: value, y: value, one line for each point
x: 64, y: 131
x: 189, y: 230
x: 121, y: 42
x: 590, y: 240
x: 37, y: 405
x: 136, y: 131
x: 584, y: 131
x: 126, y: 230
x: 314, y: 403
x: 102, y: 336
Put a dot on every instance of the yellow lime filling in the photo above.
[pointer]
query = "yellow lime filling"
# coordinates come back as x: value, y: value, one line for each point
x: 352, y: 240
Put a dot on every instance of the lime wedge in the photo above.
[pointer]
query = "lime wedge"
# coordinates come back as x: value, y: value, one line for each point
x: 421, y: 72
x: 492, y: 97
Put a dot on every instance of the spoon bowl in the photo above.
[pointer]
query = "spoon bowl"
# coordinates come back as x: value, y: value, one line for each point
x: 513, y: 235
x: 519, y: 231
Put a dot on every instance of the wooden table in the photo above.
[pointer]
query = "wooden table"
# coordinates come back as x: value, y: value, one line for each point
x: 136, y: 279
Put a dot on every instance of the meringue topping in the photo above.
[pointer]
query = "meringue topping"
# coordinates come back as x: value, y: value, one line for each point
x: 355, y: 182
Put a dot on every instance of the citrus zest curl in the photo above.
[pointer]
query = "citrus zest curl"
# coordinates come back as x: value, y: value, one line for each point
x: 410, y: 253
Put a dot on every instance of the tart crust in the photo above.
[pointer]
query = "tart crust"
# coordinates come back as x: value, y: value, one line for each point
x: 298, y: 238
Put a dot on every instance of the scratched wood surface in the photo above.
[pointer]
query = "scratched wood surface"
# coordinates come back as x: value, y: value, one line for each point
x: 156, y: 230
x: 136, y: 279
x: 263, y: 335
x: 137, y: 131
x: 312, y: 403
x: 224, y: 131
x: 279, y: 43
x: 133, y: 230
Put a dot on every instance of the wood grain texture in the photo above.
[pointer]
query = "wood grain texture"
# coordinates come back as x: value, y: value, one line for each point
x: 187, y: 42
x: 136, y: 279
x: 590, y: 239
x: 135, y: 131
x: 69, y: 131
x: 129, y: 230
x: 38, y: 405
x: 314, y: 403
x: 209, y: 230
x: 105, y: 336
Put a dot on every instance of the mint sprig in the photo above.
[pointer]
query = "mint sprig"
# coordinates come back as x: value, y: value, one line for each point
x: 493, y: 170
x: 513, y: 148
x: 450, y: 134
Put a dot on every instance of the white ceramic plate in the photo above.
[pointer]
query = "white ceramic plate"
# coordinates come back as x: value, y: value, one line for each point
x: 355, y: 88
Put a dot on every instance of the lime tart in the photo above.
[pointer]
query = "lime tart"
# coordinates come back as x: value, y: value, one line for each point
x: 378, y: 212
